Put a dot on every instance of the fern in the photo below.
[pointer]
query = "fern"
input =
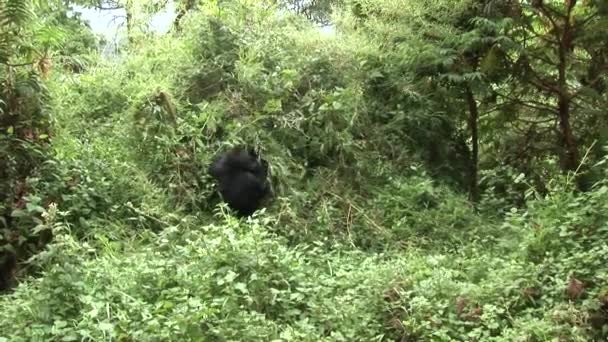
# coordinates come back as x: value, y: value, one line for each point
x: 49, y: 36
x: 28, y: 82
x: 5, y: 50
x: 15, y: 12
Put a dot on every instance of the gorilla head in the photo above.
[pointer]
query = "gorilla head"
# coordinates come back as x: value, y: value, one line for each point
x: 241, y: 177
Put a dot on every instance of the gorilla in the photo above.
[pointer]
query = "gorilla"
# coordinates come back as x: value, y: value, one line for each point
x: 241, y: 177
x: 8, y: 265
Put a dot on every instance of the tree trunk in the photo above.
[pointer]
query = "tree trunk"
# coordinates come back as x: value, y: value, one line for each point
x: 472, y: 123
x: 569, y: 155
x: 188, y: 6
x: 130, y: 24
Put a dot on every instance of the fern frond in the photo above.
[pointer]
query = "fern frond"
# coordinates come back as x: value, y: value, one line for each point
x: 49, y: 37
x: 15, y: 12
x: 5, y: 49
x: 28, y: 82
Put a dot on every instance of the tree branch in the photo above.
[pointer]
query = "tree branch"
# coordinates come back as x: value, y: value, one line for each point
x: 541, y: 84
x: 542, y: 9
x: 530, y: 104
x: 540, y: 36
x: 19, y: 64
x: 571, y: 4
x: 586, y: 21
x: 542, y: 58
x: 108, y: 8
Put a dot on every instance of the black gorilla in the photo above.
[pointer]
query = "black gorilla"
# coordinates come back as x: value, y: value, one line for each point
x: 241, y: 177
x: 8, y: 264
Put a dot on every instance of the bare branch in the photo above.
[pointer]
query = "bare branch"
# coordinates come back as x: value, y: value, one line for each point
x: 542, y: 84
x: 19, y: 64
x: 531, y: 104
x: 100, y: 7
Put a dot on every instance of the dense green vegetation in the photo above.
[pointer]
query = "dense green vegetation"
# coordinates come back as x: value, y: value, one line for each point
x: 439, y: 170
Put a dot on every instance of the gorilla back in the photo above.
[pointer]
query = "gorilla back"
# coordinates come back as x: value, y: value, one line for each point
x: 241, y: 177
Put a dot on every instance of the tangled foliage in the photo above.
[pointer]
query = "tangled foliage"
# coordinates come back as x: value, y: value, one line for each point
x: 363, y: 240
x: 24, y: 135
x: 236, y: 280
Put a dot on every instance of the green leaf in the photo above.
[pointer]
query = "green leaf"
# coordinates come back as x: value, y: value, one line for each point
x: 60, y: 324
x: 241, y: 287
x: 19, y: 213
x: 106, y: 326
x: 31, y: 207
x: 39, y: 228
x: 375, y: 74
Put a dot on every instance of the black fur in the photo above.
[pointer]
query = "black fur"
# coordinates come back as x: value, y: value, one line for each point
x: 8, y: 264
x: 241, y: 177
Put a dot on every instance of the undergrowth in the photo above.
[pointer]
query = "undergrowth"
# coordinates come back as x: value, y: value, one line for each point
x: 360, y: 243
